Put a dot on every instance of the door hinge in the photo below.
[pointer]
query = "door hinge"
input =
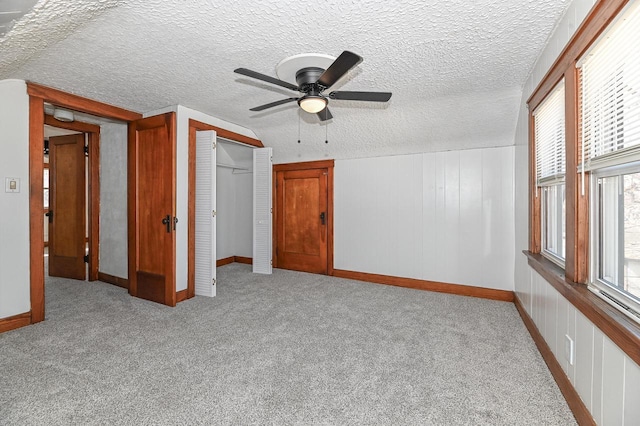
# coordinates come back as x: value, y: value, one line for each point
x: 213, y: 281
x: 86, y: 258
x: 86, y: 149
x: 213, y: 213
x: 214, y: 145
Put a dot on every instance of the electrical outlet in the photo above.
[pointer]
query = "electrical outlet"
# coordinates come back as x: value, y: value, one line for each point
x: 569, y: 351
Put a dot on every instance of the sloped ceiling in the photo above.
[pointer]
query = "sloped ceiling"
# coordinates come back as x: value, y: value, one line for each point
x: 456, y: 68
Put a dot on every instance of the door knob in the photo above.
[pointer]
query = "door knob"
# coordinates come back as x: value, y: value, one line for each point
x: 167, y: 222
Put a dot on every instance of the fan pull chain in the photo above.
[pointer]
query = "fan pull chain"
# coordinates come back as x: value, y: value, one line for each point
x: 298, y: 127
x: 326, y: 128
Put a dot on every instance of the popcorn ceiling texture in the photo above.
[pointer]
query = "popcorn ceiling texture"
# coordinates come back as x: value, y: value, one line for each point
x: 456, y: 68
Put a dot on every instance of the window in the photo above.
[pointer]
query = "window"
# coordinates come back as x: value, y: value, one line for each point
x: 553, y: 221
x: 550, y: 173
x: 600, y: 66
x: 609, y: 117
x: 616, y: 234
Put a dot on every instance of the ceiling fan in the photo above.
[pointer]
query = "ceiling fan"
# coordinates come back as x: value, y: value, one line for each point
x: 313, y: 81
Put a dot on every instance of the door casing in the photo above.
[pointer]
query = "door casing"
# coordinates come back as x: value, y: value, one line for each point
x: 38, y: 95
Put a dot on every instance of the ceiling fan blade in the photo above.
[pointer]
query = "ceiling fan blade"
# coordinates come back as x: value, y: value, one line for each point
x: 361, y: 96
x: 272, y: 104
x: 325, y: 114
x: 338, y: 68
x: 263, y: 77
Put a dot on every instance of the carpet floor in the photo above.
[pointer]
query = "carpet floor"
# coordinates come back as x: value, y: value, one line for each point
x: 289, y: 348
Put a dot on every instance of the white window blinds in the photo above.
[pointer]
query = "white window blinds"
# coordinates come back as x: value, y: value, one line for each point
x: 549, y: 137
x: 610, y: 94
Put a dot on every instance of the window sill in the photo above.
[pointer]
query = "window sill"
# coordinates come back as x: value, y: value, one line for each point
x: 623, y: 331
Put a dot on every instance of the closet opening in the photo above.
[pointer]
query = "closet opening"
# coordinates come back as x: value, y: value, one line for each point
x: 221, y: 205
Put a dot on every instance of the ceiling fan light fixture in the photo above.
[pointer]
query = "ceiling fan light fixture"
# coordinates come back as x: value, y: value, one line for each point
x: 312, y: 103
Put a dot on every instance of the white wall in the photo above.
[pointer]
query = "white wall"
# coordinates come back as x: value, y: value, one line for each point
x: 445, y: 216
x: 14, y: 207
x: 183, y: 114
x: 606, y: 379
x: 113, y: 199
x: 234, y: 199
x: 244, y: 214
x: 225, y: 216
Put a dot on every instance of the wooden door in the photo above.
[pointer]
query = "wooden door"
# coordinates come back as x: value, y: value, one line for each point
x: 152, y: 208
x: 302, y: 216
x: 67, y: 212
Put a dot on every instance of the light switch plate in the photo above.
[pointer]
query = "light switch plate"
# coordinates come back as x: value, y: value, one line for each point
x: 11, y: 184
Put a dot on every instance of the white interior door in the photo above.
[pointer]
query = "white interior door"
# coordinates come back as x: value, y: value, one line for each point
x: 205, y: 256
x: 262, y: 210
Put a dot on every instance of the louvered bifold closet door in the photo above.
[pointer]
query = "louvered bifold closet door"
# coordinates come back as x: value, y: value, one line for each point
x: 205, y: 255
x: 262, y: 211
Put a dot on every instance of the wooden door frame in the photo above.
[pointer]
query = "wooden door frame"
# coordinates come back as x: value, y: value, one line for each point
x: 195, y: 126
x: 307, y: 165
x: 38, y: 95
x: 93, y: 181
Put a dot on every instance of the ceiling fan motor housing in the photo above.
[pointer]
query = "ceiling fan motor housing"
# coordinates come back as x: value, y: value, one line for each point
x: 307, y: 79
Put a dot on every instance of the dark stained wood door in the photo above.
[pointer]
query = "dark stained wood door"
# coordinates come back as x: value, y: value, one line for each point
x: 301, y: 220
x: 152, y: 211
x: 67, y: 212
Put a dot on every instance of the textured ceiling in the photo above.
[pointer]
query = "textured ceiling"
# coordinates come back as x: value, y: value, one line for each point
x: 456, y: 68
x: 11, y: 11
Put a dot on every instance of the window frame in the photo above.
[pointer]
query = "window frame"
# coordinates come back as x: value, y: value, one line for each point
x: 609, y: 290
x: 549, y: 134
x: 571, y: 282
x: 560, y: 218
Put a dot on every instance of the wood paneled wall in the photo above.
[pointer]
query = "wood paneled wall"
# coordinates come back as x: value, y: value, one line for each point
x: 445, y: 217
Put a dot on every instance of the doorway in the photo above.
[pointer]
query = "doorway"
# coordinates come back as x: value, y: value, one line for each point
x: 303, y: 213
x: 71, y: 198
x: 38, y: 96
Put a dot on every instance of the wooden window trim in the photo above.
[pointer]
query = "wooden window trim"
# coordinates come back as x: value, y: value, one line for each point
x: 602, y: 13
x: 571, y: 282
x: 622, y: 330
x: 577, y: 226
